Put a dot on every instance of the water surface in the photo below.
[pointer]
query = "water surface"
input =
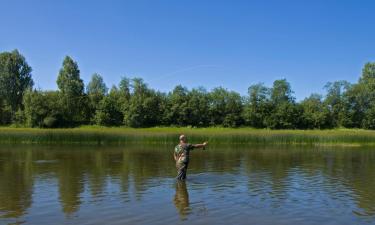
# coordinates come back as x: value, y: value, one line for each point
x: 225, y: 185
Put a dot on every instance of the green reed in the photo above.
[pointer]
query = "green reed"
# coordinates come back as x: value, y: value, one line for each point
x: 167, y: 135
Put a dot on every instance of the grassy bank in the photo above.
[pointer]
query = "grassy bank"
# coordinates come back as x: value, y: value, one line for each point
x: 118, y: 136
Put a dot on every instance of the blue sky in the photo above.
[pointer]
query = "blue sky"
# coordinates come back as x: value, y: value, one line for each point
x: 194, y: 43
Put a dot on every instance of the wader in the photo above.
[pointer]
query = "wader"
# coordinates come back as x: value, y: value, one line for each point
x: 181, y: 152
x: 181, y: 170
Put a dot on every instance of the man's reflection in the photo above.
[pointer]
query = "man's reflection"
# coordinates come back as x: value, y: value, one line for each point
x: 181, y: 199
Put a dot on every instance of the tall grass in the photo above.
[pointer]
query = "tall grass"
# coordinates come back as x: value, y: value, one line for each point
x: 118, y: 136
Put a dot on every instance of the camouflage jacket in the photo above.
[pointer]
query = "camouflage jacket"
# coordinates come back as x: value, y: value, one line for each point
x: 182, y: 151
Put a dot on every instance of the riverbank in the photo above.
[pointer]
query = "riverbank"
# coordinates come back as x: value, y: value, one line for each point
x: 159, y: 135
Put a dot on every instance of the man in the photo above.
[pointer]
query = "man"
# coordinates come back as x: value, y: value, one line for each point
x: 181, y: 156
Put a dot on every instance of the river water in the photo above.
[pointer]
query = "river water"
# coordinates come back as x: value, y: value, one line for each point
x: 225, y: 185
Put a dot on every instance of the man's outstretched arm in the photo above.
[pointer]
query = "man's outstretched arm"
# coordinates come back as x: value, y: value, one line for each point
x: 200, y: 145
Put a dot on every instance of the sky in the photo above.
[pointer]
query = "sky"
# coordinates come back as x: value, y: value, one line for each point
x: 208, y: 43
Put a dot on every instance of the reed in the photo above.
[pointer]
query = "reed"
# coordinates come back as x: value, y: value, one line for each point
x: 167, y: 135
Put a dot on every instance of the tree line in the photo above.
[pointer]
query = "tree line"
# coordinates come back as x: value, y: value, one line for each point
x: 133, y: 103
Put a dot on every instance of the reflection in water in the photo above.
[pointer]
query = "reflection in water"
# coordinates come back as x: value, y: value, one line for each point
x: 133, y: 184
x: 16, y: 185
x: 70, y: 184
x: 181, y: 199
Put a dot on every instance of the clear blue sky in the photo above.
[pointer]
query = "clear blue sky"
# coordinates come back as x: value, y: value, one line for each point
x: 194, y: 43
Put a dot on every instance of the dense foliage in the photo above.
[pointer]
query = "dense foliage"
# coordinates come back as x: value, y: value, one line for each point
x: 132, y: 103
x: 15, y: 78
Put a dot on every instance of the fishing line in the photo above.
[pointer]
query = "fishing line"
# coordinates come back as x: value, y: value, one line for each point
x: 170, y: 74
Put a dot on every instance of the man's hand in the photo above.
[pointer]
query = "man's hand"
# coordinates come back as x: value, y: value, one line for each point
x: 204, y: 145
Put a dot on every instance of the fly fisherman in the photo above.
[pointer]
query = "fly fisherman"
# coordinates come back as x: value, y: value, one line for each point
x: 181, y: 156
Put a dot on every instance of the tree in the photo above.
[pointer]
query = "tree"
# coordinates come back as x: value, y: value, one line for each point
x: 6, y: 114
x: 281, y: 92
x: 257, y: 106
x: 96, y: 90
x: 109, y: 110
x: 198, y: 105
x: 369, y: 119
x: 124, y: 87
x: 225, y: 108
x: 367, y: 95
x: 368, y: 72
x: 144, y: 106
x: 359, y: 100
x: 68, y: 80
x: 177, y: 112
x: 15, y: 79
x: 315, y: 113
x: 284, y: 114
x: 334, y: 100
x: 71, y: 86
x: 124, y: 94
x: 42, y: 109
x: 352, y: 111
x: 97, y: 87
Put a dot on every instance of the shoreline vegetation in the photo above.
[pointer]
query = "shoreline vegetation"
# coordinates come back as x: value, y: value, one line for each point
x: 95, y: 135
x: 132, y: 103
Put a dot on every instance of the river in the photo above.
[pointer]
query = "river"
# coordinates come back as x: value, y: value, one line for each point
x: 225, y: 185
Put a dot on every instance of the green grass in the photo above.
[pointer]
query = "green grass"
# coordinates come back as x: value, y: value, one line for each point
x: 118, y: 136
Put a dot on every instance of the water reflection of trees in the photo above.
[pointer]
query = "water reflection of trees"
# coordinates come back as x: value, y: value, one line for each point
x: 134, y: 168
x: 70, y: 175
x: 16, y: 183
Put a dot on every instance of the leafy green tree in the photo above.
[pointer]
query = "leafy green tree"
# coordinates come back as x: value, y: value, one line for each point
x: 15, y: 79
x: 74, y: 101
x: 352, y: 113
x: 42, y: 109
x: 368, y: 73
x: 68, y: 80
x: 257, y: 106
x: 96, y: 90
x: 285, y: 114
x: 124, y: 94
x: 315, y: 113
x: 6, y: 114
x: 161, y: 107
x: 281, y: 92
x: 225, y: 108
x: 144, y: 106
x: 369, y: 119
x: 366, y: 97
x: 109, y: 111
x: 198, y: 105
x: 177, y: 112
x: 359, y: 100
x: 335, y: 100
x: 124, y: 87
x: 19, y: 118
